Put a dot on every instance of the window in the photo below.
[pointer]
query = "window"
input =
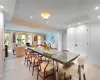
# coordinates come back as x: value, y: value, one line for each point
x: 23, y: 37
x: 39, y: 40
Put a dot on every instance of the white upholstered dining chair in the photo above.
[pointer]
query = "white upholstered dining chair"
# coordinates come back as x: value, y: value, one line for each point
x: 75, y: 70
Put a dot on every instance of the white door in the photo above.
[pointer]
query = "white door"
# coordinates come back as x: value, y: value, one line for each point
x: 71, y: 39
x: 81, y: 39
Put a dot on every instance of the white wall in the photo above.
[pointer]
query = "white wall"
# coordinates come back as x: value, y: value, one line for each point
x: 71, y: 39
x: 50, y: 35
x: 92, y: 37
x: 59, y: 41
x: 14, y: 27
x: 1, y: 43
x: 9, y: 6
x: 64, y: 40
x: 94, y: 43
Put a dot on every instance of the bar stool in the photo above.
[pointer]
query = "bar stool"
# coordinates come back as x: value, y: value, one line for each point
x: 74, y: 70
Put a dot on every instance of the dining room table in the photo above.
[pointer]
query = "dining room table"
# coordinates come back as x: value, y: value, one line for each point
x: 63, y: 57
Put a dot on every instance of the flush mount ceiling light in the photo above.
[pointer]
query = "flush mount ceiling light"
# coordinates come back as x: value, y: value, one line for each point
x: 69, y: 26
x: 45, y: 15
x: 58, y: 25
x: 96, y: 8
x: 79, y: 23
x: 98, y: 17
x: 31, y: 17
x: 47, y: 22
x: 1, y: 6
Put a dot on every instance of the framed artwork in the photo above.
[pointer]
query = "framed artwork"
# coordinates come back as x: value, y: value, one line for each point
x: 35, y: 38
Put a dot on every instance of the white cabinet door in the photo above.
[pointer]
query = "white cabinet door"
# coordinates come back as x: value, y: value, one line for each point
x: 71, y: 39
x: 81, y: 40
x: 77, y: 39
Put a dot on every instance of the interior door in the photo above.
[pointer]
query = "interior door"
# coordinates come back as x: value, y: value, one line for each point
x: 71, y: 39
x: 81, y: 39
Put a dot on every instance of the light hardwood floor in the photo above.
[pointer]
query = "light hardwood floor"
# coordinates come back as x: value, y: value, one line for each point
x: 15, y: 70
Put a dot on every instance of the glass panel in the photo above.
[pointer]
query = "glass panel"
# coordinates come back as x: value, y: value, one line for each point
x: 62, y: 57
x: 65, y: 56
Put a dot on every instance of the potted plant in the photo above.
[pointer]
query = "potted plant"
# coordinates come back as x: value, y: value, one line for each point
x: 20, y: 41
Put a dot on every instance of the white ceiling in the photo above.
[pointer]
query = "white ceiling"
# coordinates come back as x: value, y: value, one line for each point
x: 9, y: 6
x: 63, y: 12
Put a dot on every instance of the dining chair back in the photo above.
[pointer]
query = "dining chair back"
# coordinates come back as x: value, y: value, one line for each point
x: 74, y: 69
x: 81, y: 60
x: 45, y: 68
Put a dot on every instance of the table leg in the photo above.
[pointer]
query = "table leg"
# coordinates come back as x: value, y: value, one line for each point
x: 84, y: 73
x: 79, y: 71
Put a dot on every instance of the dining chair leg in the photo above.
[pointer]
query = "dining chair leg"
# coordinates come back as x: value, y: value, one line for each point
x: 32, y: 69
x: 54, y: 74
x: 70, y: 77
x: 29, y: 65
x: 44, y: 76
x: 37, y: 75
x: 79, y: 71
x: 64, y: 76
x: 24, y: 61
x: 57, y: 66
x: 84, y: 73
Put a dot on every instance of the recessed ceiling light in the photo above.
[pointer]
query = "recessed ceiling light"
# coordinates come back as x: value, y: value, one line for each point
x: 98, y: 17
x: 31, y: 17
x: 96, y: 8
x: 47, y: 22
x: 1, y: 7
x: 79, y: 23
x: 69, y: 26
x: 58, y: 25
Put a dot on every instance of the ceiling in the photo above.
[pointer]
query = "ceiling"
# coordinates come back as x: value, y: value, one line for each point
x: 63, y: 12
x: 9, y: 6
